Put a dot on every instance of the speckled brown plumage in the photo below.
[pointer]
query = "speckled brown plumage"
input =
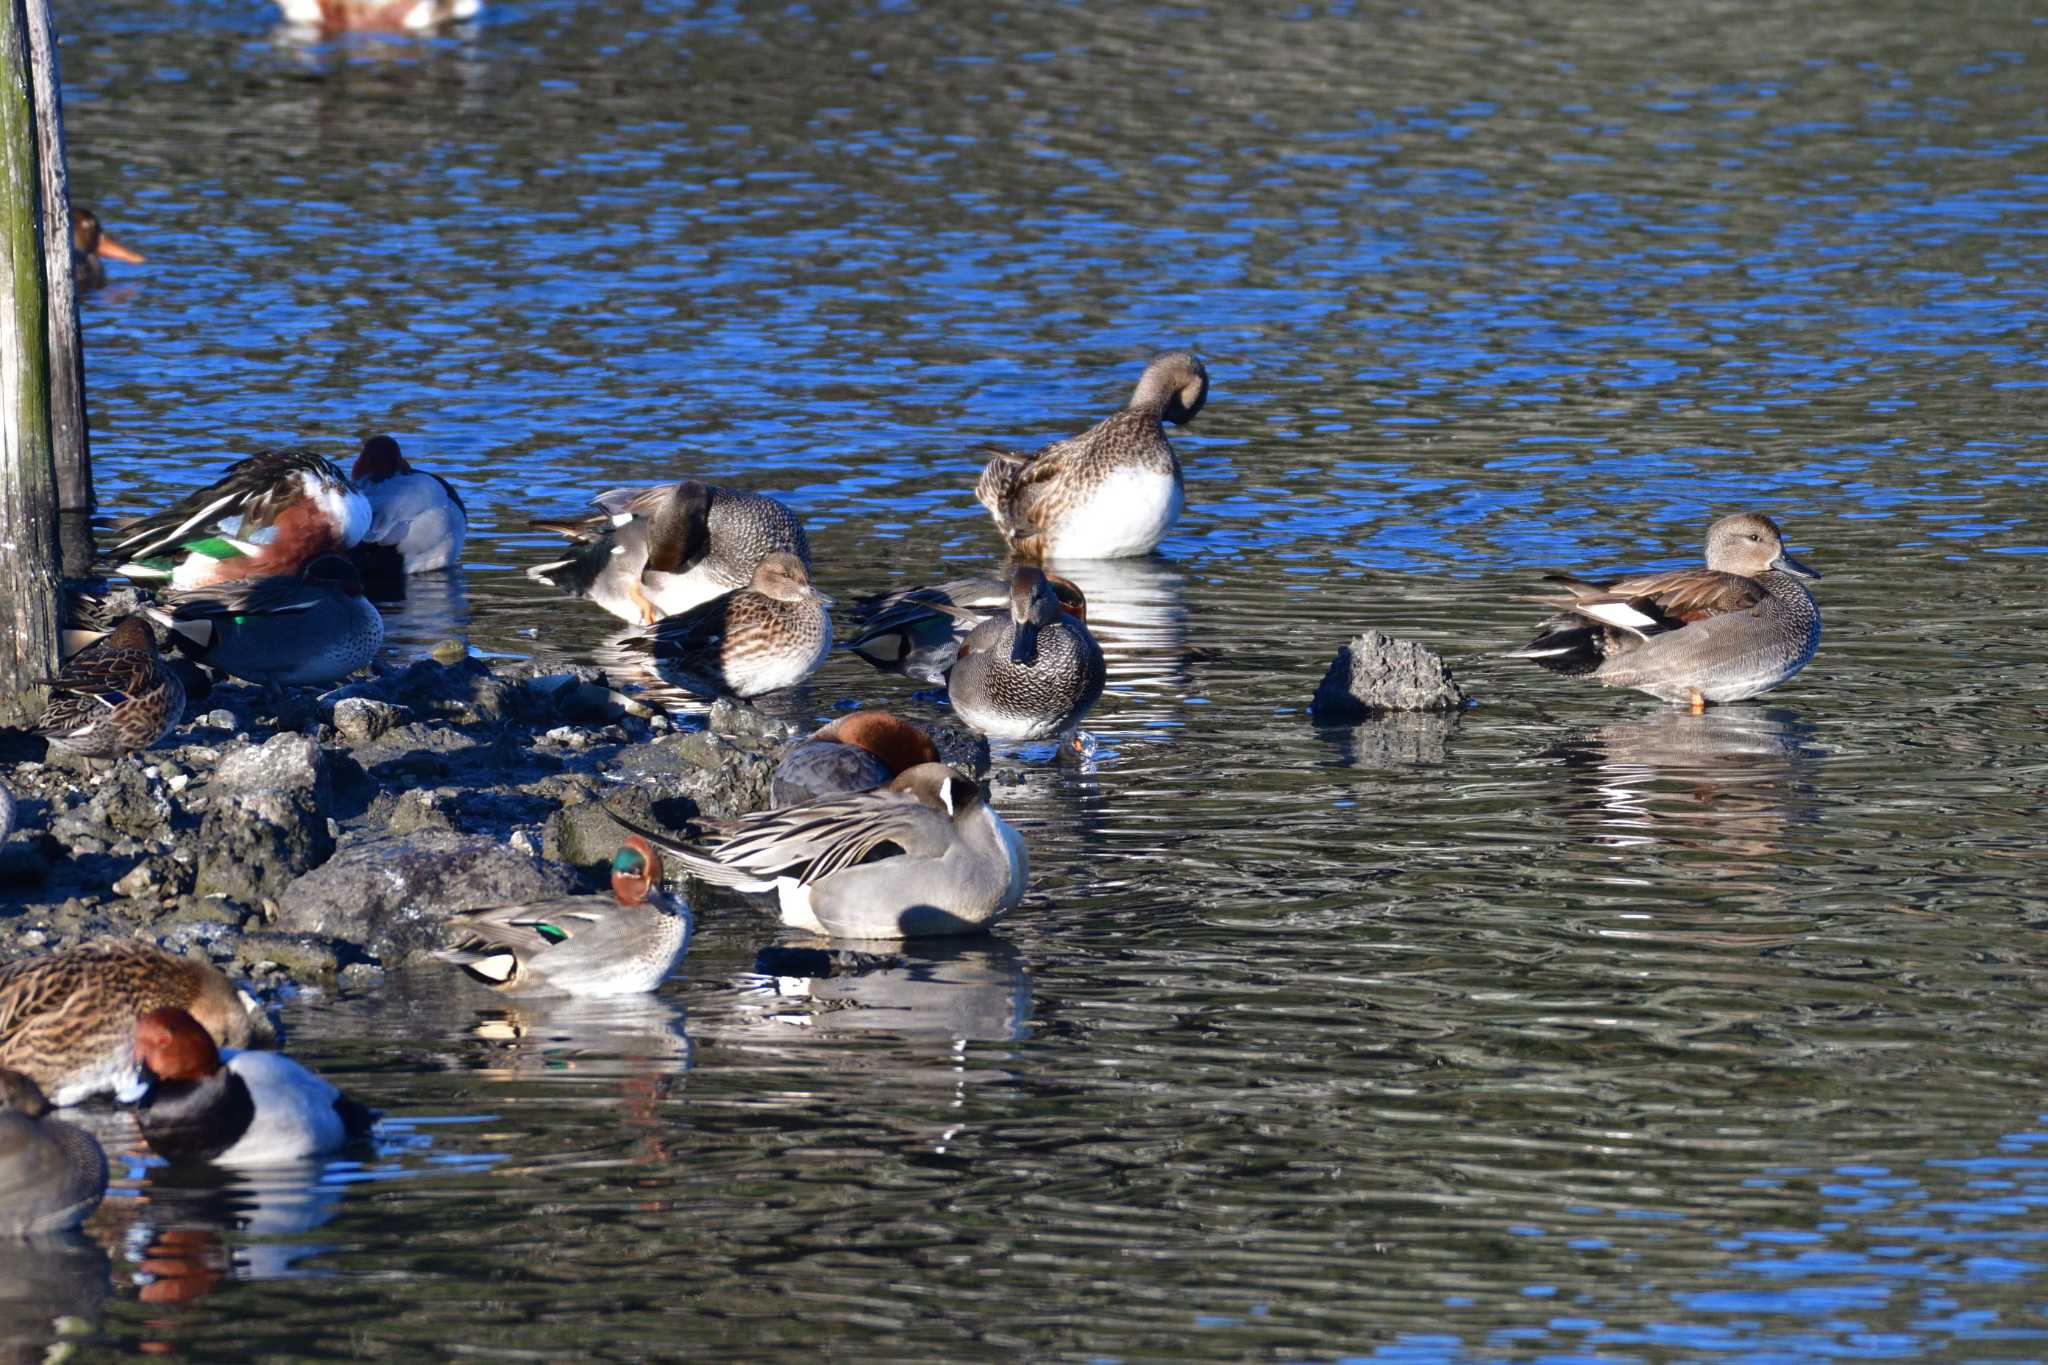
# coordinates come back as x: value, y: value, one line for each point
x: 115, y: 696
x: 768, y: 635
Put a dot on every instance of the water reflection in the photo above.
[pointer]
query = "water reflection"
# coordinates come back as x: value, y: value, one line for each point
x: 1402, y: 739
x: 50, y: 1288
x: 569, y: 1037
x: 434, y: 609
x: 1138, y: 613
x: 945, y: 991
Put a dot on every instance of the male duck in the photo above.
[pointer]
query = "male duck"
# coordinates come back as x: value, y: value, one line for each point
x: 417, y: 518
x: 234, y: 1108
x: 622, y: 944
x: 90, y: 246
x: 917, y: 632
x: 769, y: 635
x: 1113, y: 491
x: 308, y: 629
x: 1737, y: 628
x: 923, y: 856
x: 52, y: 1174
x: 855, y: 753
x: 114, y: 697
x: 1031, y: 673
x: 269, y: 514
x: 67, y: 1020
x: 653, y: 552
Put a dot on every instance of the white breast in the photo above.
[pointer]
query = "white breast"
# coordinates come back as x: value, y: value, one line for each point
x: 1129, y: 513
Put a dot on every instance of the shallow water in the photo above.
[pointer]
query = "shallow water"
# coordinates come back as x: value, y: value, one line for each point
x: 1574, y: 1027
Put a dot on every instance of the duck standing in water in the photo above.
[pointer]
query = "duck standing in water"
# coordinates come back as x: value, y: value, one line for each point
x: 1113, y: 491
x: 622, y: 944
x: 52, y: 1173
x: 268, y: 514
x: 91, y: 248
x: 855, y: 753
x: 769, y: 635
x: 1728, y: 632
x: 234, y: 1108
x: 302, y: 630
x: 417, y: 520
x: 650, y: 553
x: 917, y: 632
x: 1033, y: 672
x: 114, y: 697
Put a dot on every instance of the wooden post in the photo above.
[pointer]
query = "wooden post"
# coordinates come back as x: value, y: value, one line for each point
x: 71, y: 443
x: 28, y: 476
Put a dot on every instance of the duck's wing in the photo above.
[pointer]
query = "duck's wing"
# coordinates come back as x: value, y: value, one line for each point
x: 615, y: 508
x: 94, y: 681
x: 277, y: 595
x: 811, y: 841
x: 522, y: 929
x: 687, y: 636
x: 254, y: 490
x: 1655, y: 603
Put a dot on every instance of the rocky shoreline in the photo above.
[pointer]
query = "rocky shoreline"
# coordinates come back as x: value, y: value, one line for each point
x: 328, y: 838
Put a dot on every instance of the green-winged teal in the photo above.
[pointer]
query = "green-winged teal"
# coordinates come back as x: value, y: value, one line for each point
x: 114, y: 697
x: 1730, y: 631
x: 1031, y: 673
x: 305, y: 630
x: 1113, y: 491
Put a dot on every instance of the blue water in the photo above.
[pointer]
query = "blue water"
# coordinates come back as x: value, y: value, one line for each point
x: 1571, y: 1029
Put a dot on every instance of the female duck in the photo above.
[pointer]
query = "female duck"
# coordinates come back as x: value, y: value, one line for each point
x: 769, y: 635
x: 308, y: 629
x: 1032, y: 673
x: 234, y: 1108
x: 922, y: 856
x: 269, y: 514
x: 67, y: 1020
x: 655, y: 552
x: 1113, y: 491
x: 855, y: 753
x: 1737, y: 628
x: 52, y: 1174
x: 114, y: 697
x: 622, y: 944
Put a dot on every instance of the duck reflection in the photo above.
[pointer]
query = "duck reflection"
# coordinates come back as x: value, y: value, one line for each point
x: 1138, y: 613
x: 429, y: 608
x: 51, y: 1288
x: 953, y: 991
x: 572, y: 1037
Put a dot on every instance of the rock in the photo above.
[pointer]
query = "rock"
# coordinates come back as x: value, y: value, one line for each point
x: 1376, y: 674
x: 391, y: 894
x: 723, y: 777
x: 959, y: 746
x: 286, y: 763
x: 421, y: 808
x: 300, y: 956
x: 254, y: 844
x: 129, y: 803
x: 361, y: 720
x: 582, y: 835
x: 741, y: 721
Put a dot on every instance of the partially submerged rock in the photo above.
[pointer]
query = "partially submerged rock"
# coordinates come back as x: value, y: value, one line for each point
x: 1376, y: 674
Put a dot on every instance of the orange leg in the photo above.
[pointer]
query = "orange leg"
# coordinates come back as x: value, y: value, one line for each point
x: 1699, y: 703
x: 648, y: 615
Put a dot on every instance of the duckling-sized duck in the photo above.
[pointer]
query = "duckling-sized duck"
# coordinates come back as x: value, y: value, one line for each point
x: 114, y: 697
x: 622, y: 944
x: 417, y: 518
x: 52, y: 1173
x: 1113, y: 491
x: 234, y: 1108
x: 769, y: 635
x: 917, y: 632
x: 1737, y: 628
x: 308, y: 629
x: 378, y: 16
x: 1031, y: 673
x: 269, y: 514
x: 67, y: 1020
x: 855, y: 753
x: 923, y: 856
x: 90, y: 247
x: 650, y: 553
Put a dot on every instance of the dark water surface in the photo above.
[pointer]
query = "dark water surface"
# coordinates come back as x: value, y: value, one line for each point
x: 1574, y: 1028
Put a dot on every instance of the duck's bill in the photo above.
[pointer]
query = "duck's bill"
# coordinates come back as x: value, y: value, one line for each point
x: 114, y: 251
x: 1785, y: 563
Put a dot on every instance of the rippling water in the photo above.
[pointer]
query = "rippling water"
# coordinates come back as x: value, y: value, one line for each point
x: 1571, y: 1028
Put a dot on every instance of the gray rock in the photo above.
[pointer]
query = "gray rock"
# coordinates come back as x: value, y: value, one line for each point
x: 743, y: 721
x: 129, y: 803
x: 390, y: 895
x: 362, y: 720
x: 1376, y: 674
x: 722, y: 776
x: 254, y: 844
x: 583, y: 835
x: 303, y: 957
x: 286, y: 763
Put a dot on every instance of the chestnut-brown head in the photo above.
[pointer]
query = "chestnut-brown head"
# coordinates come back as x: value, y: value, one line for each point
x: 782, y: 576
x: 900, y: 745
x: 172, y: 1045
x: 636, y: 870
x: 380, y: 459
x: 1073, y: 601
x: 88, y: 238
x: 336, y: 572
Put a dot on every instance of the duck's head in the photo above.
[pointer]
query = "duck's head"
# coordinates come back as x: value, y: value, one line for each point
x: 333, y: 571
x: 679, y: 533
x: 636, y: 870
x: 782, y: 576
x: 380, y: 460
x: 1174, y: 387
x: 171, y: 1046
x: 900, y: 745
x: 20, y: 1095
x: 1073, y: 601
x: 132, y: 632
x: 1749, y: 543
x: 940, y: 787
x: 88, y: 239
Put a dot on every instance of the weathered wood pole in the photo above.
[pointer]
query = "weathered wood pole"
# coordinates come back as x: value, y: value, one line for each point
x: 71, y: 443
x: 29, y: 580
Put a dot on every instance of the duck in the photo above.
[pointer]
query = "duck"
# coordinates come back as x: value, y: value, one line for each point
x: 771, y: 634
x: 114, y: 697
x: 91, y: 246
x: 377, y: 16
x: 650, y: 553
x: 301, y: 630
x: 1112, y: 492
x: 923, y: 856
x: 1731, y: 631
x: 917, y: 632
x: 234, y: 1108
x: 417, y: 518
x: 52, y: 1173
x: 1032, y: 673
x: 67, y: 1019
x: 622, y: 944
x: 854, y: 753
x: 267, y: 515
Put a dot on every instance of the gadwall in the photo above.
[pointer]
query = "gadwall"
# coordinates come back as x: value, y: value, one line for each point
x: 1737, y: 628
x: 769, y: 635
x: 1031, y: 673
x: 52, y: 1174
x: 917, y: 632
